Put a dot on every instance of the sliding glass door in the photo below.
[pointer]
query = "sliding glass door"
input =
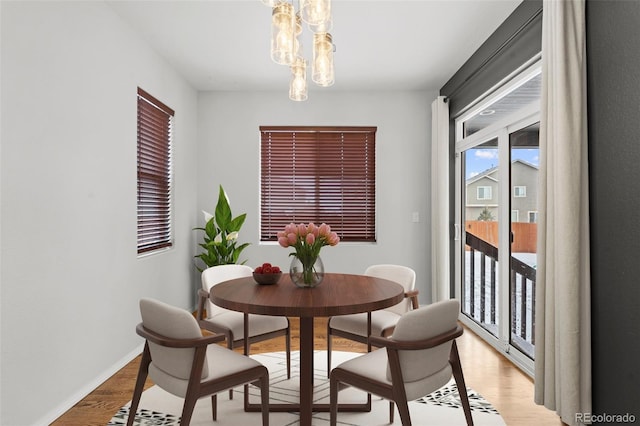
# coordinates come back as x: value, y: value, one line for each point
x: 481, y: 209
x: 524, y: 152
x: 496, y: 215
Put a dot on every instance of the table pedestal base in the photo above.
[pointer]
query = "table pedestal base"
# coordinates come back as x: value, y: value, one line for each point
x: 306, y: 407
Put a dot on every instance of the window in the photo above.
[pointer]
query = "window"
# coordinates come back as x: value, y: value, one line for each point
x: 533, y: 217
x: 519, y: 191
x: 318, y: 174
x: 484, y: 193
x: 515, y: 216
x: 154, y: 173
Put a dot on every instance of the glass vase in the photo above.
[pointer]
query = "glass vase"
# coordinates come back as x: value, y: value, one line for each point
x: 306, y: 274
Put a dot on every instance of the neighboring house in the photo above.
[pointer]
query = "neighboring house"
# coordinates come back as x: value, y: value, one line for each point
x: 482, y: 196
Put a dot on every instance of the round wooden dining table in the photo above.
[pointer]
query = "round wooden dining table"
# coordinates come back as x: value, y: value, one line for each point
x: 338, y: 294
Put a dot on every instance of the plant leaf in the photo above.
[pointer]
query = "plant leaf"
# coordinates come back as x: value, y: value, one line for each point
x: 237, y: 222
x: 210, y: 229
x: 237, y: 251
x: 223, y: 211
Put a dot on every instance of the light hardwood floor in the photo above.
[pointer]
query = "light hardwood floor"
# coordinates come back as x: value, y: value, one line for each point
x: 486, y: 371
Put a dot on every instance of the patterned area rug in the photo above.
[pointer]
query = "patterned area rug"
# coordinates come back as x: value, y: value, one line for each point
x: 443, y: 407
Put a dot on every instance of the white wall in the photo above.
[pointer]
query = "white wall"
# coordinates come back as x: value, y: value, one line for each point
x: 70, y: 276
x: 228, y: 137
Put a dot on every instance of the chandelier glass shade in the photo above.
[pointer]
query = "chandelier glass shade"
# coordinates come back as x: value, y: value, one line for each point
x: 323, y: 74
x: 298, y: 86
x: 283, y: 34
x: 317, y: 14
x: 286, y: 48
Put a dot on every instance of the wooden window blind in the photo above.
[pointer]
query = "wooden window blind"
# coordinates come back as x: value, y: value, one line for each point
x: 154, y: 173
x: 318, y: 174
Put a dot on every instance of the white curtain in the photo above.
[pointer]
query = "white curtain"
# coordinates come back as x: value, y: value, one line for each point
x: 440, y: 282
x: 563, y: 317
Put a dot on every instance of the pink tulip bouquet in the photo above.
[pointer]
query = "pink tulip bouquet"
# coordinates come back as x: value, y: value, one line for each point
x: 307, y: 240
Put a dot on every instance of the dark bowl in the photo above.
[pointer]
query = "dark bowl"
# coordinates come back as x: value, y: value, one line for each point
x: 267, y: 278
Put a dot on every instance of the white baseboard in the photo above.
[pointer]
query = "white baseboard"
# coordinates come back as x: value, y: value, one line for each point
x: 51, y: 416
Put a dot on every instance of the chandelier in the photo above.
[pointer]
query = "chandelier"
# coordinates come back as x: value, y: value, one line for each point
x: 286, y: 48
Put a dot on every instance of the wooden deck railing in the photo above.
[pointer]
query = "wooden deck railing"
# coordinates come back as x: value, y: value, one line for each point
x: 522, y: 288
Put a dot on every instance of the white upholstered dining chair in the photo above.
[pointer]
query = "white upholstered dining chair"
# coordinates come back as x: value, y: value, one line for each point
x: 354, y: 326
x: 183, y: 362
x: 231, y: 323
x: 419, y: 358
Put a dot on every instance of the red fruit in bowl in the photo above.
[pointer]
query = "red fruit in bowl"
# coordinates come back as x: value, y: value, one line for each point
x: 267, y: 268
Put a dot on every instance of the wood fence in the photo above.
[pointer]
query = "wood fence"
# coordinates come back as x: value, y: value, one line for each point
x: 524, y: 234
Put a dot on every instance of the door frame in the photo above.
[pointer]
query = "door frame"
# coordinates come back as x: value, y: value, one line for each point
x: 520, y: 119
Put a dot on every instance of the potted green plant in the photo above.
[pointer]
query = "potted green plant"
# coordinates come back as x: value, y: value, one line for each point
x: 221, y: 233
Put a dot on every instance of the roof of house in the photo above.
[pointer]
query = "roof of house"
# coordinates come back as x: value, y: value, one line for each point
x: 487, y: 173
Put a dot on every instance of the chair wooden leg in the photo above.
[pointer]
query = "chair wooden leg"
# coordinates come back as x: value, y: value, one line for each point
x: 143, y: 371
x: 187, y: 409
x: 230, y: 346
x: 403, y: 410
x: 328, y: 349
x: 333, y: 401
x: 454, y: 359
x: 368, y: 331
x: 288, y: 347
x: 264, y: 397
x: 214, y: 407
x: 193, y: 388
x: 391, y: 411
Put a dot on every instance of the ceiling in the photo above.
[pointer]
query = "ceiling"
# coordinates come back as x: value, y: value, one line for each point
x: 523, y: 95
x: 380, y: 45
